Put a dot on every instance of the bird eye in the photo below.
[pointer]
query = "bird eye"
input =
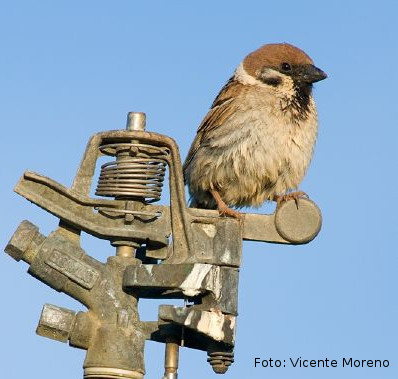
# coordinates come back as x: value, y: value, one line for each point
x: 286, y: 67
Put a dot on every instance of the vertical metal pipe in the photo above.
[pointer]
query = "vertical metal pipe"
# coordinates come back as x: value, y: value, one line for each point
x: 171, y: 360
x: 135, y: 121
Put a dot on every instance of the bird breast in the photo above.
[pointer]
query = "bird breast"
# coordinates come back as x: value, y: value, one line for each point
x: 258, y: 152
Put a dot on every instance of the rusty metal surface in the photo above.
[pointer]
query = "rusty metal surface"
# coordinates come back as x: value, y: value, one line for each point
x: 162, y: 252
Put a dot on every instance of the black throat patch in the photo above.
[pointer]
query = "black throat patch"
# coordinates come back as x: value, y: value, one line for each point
x: 300, y: 102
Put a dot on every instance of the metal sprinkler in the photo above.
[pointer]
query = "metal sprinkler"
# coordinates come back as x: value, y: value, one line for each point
x: 161, y: 252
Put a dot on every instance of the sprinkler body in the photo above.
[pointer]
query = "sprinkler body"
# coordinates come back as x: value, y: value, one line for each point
x: 161, y: 252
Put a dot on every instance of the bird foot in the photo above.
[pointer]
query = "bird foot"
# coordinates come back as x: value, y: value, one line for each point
x: 280, y: 199
x: 225, y: 211
x: 223, y: 208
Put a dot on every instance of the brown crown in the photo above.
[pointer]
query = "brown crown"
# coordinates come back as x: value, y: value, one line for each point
x: 273, y: 55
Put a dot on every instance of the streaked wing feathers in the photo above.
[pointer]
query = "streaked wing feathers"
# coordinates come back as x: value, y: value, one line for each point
x: 222, y: 108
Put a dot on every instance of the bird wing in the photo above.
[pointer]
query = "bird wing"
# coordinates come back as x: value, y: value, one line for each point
x: 221, y: 109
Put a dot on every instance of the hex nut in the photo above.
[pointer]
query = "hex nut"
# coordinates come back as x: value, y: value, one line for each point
x: 56, y: 323
x: 21, y: 240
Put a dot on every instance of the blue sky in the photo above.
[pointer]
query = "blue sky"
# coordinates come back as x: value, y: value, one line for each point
x: 70, y: 69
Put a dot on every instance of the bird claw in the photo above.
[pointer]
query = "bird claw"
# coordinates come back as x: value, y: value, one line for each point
x: 280, y: 199
x: 223, y: 209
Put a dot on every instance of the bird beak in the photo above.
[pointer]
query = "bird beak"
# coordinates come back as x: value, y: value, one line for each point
x: 311, y: 74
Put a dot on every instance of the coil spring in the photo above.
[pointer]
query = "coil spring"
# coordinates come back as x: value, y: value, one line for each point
x: 138, y: 171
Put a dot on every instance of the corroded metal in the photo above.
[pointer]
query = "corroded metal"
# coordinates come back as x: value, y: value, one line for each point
x: 215, y: 285
x: 162, y: 252
x: 56, y: 323
x: 110, y: 330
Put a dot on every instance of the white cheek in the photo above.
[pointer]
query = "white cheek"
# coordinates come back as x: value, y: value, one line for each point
x: 243, y: 77
x: 269, y: 73
x: 285, y: 88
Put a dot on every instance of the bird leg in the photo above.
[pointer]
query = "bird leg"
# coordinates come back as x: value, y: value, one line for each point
x: 223, y: 209
x: 293, y: 195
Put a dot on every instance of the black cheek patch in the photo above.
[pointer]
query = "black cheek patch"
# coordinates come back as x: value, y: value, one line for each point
x: 274, y: 82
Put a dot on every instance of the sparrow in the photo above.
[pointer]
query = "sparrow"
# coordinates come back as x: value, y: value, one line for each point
x: 257, y: 140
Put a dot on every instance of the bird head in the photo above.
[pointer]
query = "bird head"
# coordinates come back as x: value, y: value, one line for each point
x: 281, y: 63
